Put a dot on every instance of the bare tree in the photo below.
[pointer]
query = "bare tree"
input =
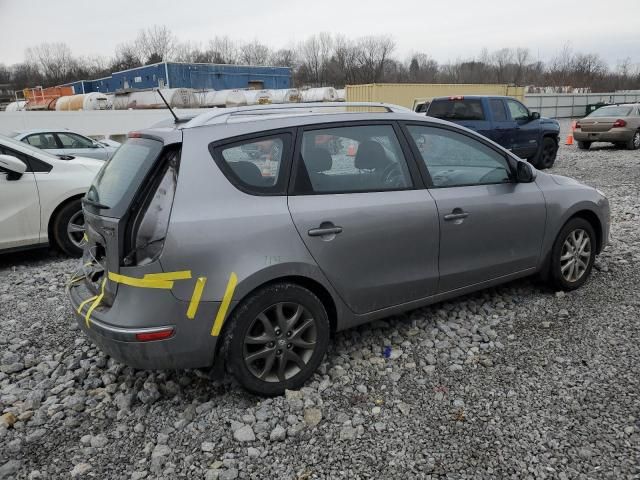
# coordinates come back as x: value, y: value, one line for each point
x: 254, y: 53
x: 54, y: 61
x: 501, y: 59
x: 521, y: 58
x: 285, y: 57
x: 222, y: 50
x: 374, y: 51
x: 156, y: 44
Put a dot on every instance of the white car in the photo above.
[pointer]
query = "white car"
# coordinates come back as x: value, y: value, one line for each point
x: 67, y: 143
x: 40, y: 197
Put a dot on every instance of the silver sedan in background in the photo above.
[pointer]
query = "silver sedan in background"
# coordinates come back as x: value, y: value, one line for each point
x: 67, y: 143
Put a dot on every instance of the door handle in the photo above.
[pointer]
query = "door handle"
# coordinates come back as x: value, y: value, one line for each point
x: 319, y: 232
x: 457, y: 214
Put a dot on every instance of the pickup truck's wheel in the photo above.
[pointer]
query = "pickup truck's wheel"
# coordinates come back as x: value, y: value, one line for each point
x: 546, y: 156
x: 584, y: 145
x: 276, y: 339
x: 573, y: 254
x: 68, y: 228
x: 634, y: 142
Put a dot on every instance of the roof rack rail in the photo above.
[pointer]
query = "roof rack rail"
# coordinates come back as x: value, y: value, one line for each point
x: 222, y: 115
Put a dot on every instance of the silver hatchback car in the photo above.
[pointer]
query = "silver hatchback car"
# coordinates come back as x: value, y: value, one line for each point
x: 249, y: 235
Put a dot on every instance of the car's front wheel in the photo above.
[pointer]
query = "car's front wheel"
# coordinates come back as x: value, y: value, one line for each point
x: 69, y: 228
x: 276, y: 339
x: 546, y: 156
x: 584, y: 145
x: 573, y: 254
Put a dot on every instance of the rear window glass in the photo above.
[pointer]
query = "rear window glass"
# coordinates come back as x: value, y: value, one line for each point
x: 121, y: 175
x: 612, y: 112
x: 466, y: 109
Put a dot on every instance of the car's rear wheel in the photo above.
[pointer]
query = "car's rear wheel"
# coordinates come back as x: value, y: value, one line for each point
x: 584, y: 145
x: 276, y: 339
x: 573, y: 254
x: 69, y: 228
x: 546, y: 156
x: 634, y: 142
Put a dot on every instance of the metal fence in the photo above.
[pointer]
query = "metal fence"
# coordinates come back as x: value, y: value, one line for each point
x: 573, y: 105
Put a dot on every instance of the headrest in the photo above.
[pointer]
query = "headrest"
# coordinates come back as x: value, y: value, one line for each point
x: 371, y: 156
x: 248, y: 172
x: 317, y: 160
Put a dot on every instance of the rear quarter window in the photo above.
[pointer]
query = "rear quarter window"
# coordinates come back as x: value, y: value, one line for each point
x: 257, y: 164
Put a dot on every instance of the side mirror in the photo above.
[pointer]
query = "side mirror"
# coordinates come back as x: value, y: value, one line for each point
x: 535, y: 115
x: 95, y: 145
x: 15, y: 167
x: 525, y: 173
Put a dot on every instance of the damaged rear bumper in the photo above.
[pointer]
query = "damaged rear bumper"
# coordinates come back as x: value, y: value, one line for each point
x: 116, y: 329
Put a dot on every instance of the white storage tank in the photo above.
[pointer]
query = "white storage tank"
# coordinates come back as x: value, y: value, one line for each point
x: 285, y: 95
x: 17, y: 106
x: 258, y: 97
x: 150, y: 99
x: 342, y: 96
x: 322, y: 94
x: 234, y: 98
x: 84, y: 101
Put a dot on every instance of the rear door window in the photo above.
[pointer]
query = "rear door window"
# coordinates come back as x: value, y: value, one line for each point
x: 351, y: 159
x: 497, y: 110
x: 457, y: 109
x: 255, y: 165
x: 45, y: 141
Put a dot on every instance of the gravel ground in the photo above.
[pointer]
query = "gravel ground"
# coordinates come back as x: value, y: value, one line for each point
x: 512, y: 382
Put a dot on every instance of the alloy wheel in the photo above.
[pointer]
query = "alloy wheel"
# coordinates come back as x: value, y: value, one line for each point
x: 76, y: 229
x: 575, y: 255
x: 280, y: 342
x: 636, y: 140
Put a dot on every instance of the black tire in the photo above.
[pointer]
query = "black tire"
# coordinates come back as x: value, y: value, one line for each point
x: 546, y: 156
x: 64, y: 240
x: 584, y: 145
x: 245, y: 324
x: 634, y: 142
x: 556, y: 276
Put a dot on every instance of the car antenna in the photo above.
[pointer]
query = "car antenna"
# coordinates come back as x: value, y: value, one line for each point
x: 167, y: 104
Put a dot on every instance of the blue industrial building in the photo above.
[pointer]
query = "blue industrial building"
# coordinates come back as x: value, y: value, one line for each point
x: 188, y: 75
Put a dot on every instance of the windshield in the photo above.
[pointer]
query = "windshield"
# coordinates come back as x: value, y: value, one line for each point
x: 12, y: 142
x: 613, y: 111
x: 122, y: 174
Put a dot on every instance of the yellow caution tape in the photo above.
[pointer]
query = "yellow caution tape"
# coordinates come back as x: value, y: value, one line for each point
x: 224, y: 306
x: 95, y: 304
x: 80, y: 307
x: 140, y: 282
x: 195, y: 298
x: 182, y: 275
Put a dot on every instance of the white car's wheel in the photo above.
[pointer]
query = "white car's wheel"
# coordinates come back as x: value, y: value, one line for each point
x: 69, y: 228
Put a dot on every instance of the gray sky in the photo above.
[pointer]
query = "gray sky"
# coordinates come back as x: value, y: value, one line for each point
x: 445, y: 29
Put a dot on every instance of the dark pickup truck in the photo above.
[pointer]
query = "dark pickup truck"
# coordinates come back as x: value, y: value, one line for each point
x: 505, y: 121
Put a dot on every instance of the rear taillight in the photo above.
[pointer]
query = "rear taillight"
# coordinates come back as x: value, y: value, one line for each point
x: 619, y: 123
x: 577, y: 125
x: 152, y: 229
x: 458, y: 97
x: 152, y: 336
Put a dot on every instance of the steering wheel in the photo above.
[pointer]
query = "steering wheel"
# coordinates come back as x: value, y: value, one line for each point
x: 392, y: 176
